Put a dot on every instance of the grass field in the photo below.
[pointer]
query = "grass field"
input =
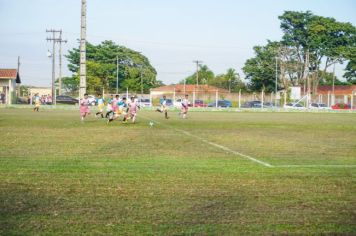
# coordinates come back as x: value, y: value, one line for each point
x: 297, y: 174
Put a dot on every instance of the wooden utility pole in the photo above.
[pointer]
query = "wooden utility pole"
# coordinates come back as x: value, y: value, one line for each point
x: 60, y: 41
x: 197, y: 62
x: 54, y: 40
x: 82, y: 70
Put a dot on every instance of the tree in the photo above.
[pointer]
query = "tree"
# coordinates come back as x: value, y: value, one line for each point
x: 350, y: 74
x: 205, y: 75
x: 260, y: 70
x: 230, y: 81
x: 101, y: 68
x: 317, y: 40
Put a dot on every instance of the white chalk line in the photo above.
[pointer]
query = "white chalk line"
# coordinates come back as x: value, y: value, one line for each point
x: 315, y: 166
x: 247, y: 156
x: 213, y: 144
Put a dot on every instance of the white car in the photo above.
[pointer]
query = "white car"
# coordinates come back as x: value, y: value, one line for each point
x: 296, y: 106
x: 319, y: 106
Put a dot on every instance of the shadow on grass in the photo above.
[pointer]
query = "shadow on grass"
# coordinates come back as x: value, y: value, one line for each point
x: 18, y: 204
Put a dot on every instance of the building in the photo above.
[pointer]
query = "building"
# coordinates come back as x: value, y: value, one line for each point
x: 339, y: 94
x: 8, y: 80
x: 202, y: 92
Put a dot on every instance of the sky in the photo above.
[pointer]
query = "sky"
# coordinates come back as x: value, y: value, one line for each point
x: 171, y: 33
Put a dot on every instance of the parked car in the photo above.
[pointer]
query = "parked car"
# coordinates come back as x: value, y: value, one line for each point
x: 199, y: 103
x: 66, y: 100
x: 268, y: 105
x: 341, y: 106
x: 320, y: 106
x: 252, y: 104
x: 221, y: 103
x: 294, y: 106
x: 145, y: 102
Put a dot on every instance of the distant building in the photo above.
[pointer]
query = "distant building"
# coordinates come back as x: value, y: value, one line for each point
x: 340, y: 93
x: 8, y: 80
x: 188, y: 89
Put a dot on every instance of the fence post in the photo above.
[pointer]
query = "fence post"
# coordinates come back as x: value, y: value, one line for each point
x: 352, y: 99
x: 262, y: 94
x: 240, y: 98
x: 194, y: 98
x: 174, y: 95
x: 151, y: 98
x: 216, y: 98
x: 285, y: 97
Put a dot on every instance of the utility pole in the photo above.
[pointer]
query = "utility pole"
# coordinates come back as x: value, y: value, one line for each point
x: 197, y: 62
x: 54, y: 40
x: 117, y: 74
x: 60, y: 41
x: 83, y: 74
x: 18, y: 74
x: 306, y: 73
x: 276, y: 83
x: 141, y: 82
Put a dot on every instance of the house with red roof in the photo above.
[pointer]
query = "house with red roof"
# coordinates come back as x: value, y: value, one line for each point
x: 8, y: 80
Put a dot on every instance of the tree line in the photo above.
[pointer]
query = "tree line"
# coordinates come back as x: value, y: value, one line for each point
x: 310, y: 47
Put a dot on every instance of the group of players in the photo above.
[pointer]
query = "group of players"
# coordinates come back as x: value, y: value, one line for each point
x: 117, y: 107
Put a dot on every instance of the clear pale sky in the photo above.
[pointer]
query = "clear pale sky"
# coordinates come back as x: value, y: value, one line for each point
x: 171, y: 33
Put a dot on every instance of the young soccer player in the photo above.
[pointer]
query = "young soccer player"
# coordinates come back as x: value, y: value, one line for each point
x: 37, y: 102
x: 132, y: 112
x: 184, y: 108
x: 120, y: 108
x: 84, y: 107
x: 163, y: 107
x: 101, y: 103
x: 109, y: 109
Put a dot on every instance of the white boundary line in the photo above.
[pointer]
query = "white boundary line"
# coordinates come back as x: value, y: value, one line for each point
x: 214, y: 144
x: 266, y: 164
x: 315, y: 166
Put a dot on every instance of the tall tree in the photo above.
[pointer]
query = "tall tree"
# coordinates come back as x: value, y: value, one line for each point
x: 350, y: 73
x: 322, y: 40
x: 260, y: 70
x: 101, y: 68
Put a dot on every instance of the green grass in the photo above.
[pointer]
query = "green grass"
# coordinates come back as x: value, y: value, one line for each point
x: 61, y: 177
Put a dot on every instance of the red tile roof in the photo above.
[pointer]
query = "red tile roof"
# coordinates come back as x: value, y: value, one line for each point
x: 189, y: 88
x: 338, y: 90
x: 8, y: 73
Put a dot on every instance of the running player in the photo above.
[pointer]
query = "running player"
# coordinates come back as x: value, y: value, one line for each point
x: 101, y: 103
x: 37, y: 102
x: 132, y: 112
x: 163, y: 107
x: 84, y: 107
x: 184, y: 108
x: 120, y: 109
x: 109, y: 109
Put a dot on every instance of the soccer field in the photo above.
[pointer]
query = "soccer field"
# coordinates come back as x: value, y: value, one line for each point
x: 216, y: 173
